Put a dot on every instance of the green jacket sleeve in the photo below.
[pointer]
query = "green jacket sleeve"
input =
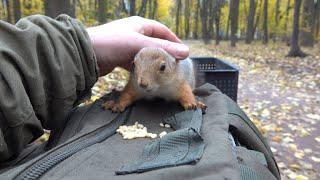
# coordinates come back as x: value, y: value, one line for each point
x: 46, y: 66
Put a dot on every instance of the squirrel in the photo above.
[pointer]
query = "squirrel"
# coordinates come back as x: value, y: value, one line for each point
x: 155, y: 73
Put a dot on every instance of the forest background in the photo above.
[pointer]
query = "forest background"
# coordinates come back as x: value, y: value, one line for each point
x: 247, y: 20
x: 275, y: 43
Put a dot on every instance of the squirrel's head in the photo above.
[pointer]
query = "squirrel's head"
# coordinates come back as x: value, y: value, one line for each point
x: 153, y: 67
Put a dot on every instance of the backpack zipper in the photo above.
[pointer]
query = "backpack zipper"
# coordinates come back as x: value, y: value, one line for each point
x: 47, y: 162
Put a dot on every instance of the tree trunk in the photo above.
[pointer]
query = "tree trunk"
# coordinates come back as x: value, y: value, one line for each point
x: 91, y: 4
x: 132, y: 8
x: 17, y: 10
x: 210, y: 19
x: 204, y: 19
x: 234, y: 13
x: 8, y: 5
x: 95, y: 5
x: 126, y: 6
x: 53, y: 8
x: 196, y: 20
x: 277, y: 12
x: 316, y: 33
x: 217, y: 22
x: 257, y: 21
x: 308, y: 23
x: 295, y: 49
x: 286, y: 21
x: 155, y: 9
x: 228, y: 23
x: 83, y: 9
x: 118, y: 9
x: 250, y: 22
x: 150, y: 9
x: 178, y: 17
x: 102, y: 15
x: 276, y: 18
x: 142, y: 11
x: 187, y: 19
x: 265, y: 22
x: 73, y: 5
x: 245, y: 9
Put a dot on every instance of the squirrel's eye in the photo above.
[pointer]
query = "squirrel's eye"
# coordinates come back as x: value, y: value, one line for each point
x: 162, y: 67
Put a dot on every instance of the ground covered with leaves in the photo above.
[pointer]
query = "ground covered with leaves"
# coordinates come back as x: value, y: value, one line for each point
x: 281, y: 95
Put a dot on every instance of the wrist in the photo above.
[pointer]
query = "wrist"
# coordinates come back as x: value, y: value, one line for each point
x: 99, y: 47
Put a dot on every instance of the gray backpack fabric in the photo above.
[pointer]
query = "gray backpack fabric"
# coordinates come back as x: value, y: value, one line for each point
x: 183, y: 146
x: 220, y: 144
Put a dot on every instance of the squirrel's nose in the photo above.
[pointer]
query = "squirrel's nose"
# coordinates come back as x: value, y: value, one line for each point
x: 143, y: 84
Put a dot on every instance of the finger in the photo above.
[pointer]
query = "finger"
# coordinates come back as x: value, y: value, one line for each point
x: 177, y: 50
x: 157, y: 30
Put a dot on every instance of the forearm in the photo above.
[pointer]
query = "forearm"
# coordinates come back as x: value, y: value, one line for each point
x: 46, y: 65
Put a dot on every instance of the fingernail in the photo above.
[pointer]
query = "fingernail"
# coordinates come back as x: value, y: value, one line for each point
x: 182, y: 51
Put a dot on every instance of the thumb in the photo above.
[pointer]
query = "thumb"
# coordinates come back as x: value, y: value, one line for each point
x: 177, y: 50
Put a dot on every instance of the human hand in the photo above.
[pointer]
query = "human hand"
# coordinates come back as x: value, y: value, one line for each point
x: 116, y: 43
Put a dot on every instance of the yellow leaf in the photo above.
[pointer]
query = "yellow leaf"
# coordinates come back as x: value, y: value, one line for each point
x: 299, y: 155
x: 301, y: 177
x: 265, y: 113
x: 315, y: 159
x: 94, y: 98
x: 293, y: 147
x: 295, y: 166
x: 276, y: 138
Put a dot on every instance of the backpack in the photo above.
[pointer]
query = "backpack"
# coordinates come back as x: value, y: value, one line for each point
x: 222, y: 143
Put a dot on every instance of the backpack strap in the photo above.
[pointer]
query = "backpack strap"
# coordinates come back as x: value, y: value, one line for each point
x: 247, y: 134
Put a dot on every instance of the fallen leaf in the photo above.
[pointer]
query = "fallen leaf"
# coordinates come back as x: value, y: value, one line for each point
x: 307, y: 150
x: 292, y: 175
x: 314, y: 116
x: 306, y: 165
x: 301, y: 177
x: 288, y: 139
x: 276, y: 138
x: 315, y: 159
x: 299, y: 155
x: 281, y: 165
x: 295, y: 166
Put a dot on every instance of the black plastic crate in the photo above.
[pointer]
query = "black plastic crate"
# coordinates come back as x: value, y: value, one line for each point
x: 219, y: 73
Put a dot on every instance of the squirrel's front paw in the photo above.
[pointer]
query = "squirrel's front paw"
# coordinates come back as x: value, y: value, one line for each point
x: 201, y: 105
x: 108, y: 104
x: 115, y: 107
x: 189, y: 105
x: 194, y: 105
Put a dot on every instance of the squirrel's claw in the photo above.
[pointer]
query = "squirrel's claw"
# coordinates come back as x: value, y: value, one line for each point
x: 108, y: 104
x: 189, y: 106
x: 113, y: 106
x: 117, y: 108
x: 201, y: 105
